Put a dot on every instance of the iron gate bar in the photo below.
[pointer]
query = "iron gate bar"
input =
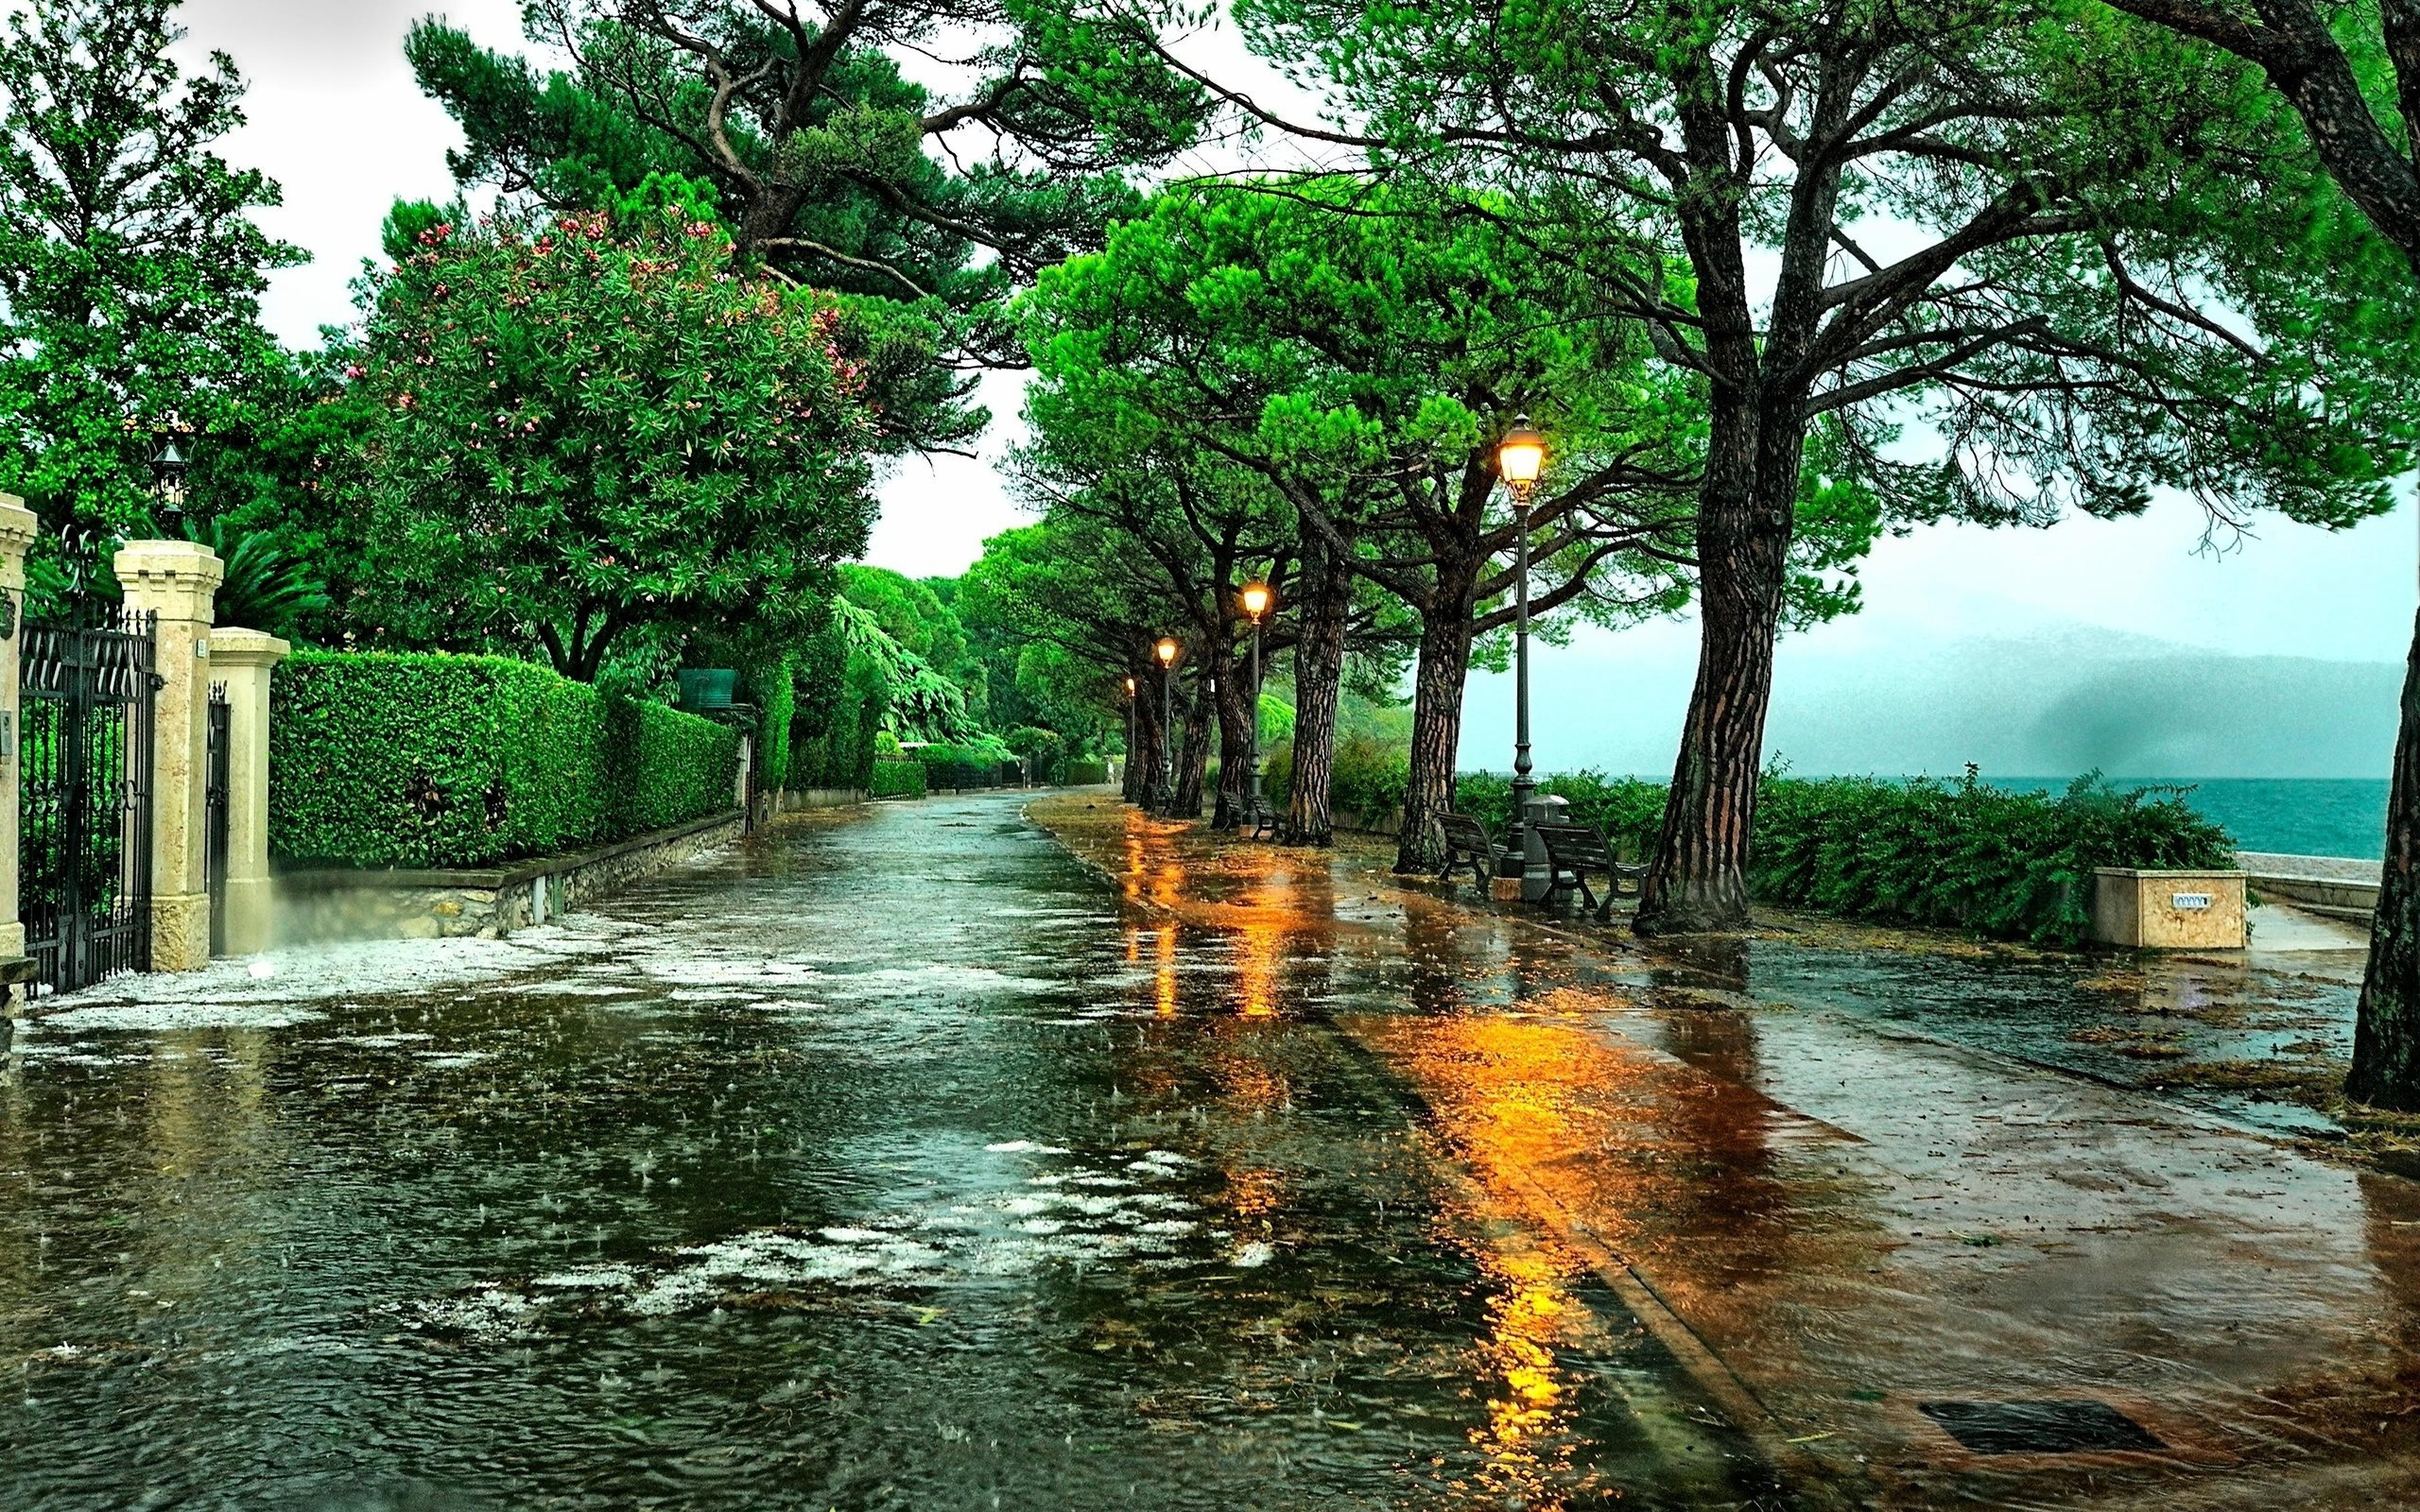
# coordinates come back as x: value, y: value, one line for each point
x: 214, y: 794
x: 85, y: 849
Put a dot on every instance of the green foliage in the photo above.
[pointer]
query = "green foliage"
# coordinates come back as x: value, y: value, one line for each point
x: 266, y: 586
x: 1958, y: 855
x: 1089, y: 771
x: 979, y: 764
x: 130, y: 265
x: 450, y: 760
x: 895, y: 778
x: 1045, y: 751
x: 774, y: 691
x: 585, y: 430
x: 1966, y: 855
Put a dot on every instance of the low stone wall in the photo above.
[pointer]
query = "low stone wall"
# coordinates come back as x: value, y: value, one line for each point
x: 794, y: 799
x: 315, y: 906
x: 2335, y: 886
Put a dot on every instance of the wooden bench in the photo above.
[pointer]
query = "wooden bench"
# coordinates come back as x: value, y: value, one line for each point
x: 1574, y: 850
x: 1266, y: 823
x: 1466, y: 839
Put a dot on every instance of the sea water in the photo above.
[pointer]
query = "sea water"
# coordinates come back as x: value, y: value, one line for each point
x: 2304, y: 816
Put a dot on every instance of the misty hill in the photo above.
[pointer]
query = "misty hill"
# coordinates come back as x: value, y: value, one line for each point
x: 2053, y: 702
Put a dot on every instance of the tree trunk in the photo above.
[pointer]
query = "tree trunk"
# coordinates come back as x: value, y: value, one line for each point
x: 1746, y: 510
x: 1235, y: 708
x: 1143, y: 762
x: 1437, y: 714
x: 2386, y: 1028
x: 1318, y: 685
x: 1193, y: 757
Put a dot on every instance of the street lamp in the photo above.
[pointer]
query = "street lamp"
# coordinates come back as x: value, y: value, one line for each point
x: 169, y: 465
x: 1131, y: 789
x: 1519, y: 458
x: 1255, y: 598
x: 1167, y: 651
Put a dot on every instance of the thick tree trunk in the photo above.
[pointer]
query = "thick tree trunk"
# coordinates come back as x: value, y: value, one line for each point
x: 1143, y: 762
x: 2386, y: 1028
x: 1235, y: 706
x: 1746, y: 511
x: 1437, y: 714
x: 1193, y: 756
x: 1319, y: 686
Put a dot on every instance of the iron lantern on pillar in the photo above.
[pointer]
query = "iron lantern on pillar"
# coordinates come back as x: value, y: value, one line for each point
x: 169, y: 465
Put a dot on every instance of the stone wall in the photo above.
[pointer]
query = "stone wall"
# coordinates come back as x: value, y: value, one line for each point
x: 314, y: 906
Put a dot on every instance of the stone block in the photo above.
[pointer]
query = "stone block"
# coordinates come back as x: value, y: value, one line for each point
x: 2168, y: 910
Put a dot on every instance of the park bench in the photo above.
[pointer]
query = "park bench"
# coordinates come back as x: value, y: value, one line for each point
x: 1266, y: 823
x: 1574, y: 850
x: 1466, y: 839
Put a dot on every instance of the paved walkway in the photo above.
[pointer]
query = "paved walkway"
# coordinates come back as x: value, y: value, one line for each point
x: 1842, y: 1219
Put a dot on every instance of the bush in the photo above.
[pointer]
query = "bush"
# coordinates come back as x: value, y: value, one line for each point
x: 459, y: 761
x: 1045, y: 751
x: 1966, y: 854
x: 985, y: 763
x: 1371, y: 776
x: 1089, y: 772
x: 1957, y: 855
x: 889, y: 779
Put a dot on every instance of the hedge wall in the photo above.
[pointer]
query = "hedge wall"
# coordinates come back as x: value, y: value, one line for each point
x: 896, y: 779
x: 456, y: 761
x: 1960, y: 855
x: 1089, y: 771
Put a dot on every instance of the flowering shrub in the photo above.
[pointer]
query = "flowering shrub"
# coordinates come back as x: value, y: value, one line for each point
x: 594, y: 424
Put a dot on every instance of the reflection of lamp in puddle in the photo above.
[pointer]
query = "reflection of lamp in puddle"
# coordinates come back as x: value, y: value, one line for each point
x: 1256, y: 967
x: 1166, y: 983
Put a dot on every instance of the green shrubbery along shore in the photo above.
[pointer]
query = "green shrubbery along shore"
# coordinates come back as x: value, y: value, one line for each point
x: 415, y: 760
x: 1960, y: 855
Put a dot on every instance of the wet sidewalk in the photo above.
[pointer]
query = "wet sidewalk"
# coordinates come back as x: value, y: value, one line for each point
x: 900, y: 1159
x: 1917, y: 1265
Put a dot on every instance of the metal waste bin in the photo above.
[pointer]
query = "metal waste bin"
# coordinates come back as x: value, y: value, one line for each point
x: 1536, y: 876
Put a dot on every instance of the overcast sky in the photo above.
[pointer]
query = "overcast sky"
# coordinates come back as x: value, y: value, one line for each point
x: 334, y: 118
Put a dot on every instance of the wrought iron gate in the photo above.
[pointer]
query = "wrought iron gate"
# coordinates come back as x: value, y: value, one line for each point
x: 84, y: 848
x: 214, y: 794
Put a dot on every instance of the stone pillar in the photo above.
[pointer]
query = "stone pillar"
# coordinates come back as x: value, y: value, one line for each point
x: 242, y: 660
x: 17, y: 529
x: 177, y: 580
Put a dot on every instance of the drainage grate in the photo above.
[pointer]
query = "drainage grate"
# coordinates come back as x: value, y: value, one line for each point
x: 2038, y: 1427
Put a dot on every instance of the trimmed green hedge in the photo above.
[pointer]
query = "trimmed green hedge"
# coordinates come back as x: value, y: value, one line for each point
x: 1089, y: 771
x: 986, y: 763
x: 1960, y: 854
x: 896, y: 779
x: 380, y: 760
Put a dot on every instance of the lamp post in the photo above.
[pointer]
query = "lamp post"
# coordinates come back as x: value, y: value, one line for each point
x: 1256, y: 599
x: 1519, y: 458
x: 169, y: 465
x: 1167, y: 651
x: 1132, y: 788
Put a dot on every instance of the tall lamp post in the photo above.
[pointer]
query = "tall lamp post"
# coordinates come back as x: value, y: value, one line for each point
x: 1519, y: 458
x: 1167, y: 651
x: 1132, y: 786
x: 1256, y: 599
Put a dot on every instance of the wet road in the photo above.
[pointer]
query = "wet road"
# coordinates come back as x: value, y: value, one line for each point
x: 890, y: 1161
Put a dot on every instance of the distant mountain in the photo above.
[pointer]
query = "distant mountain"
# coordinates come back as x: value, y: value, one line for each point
x: 2051, y: 702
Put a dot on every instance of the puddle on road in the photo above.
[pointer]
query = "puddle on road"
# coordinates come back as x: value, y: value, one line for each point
x: 793, y: 1183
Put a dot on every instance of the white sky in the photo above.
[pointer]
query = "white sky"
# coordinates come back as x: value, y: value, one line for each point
x: 336, y: 120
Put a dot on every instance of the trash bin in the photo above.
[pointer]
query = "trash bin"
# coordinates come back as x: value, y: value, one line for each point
x: 1536, y: 876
